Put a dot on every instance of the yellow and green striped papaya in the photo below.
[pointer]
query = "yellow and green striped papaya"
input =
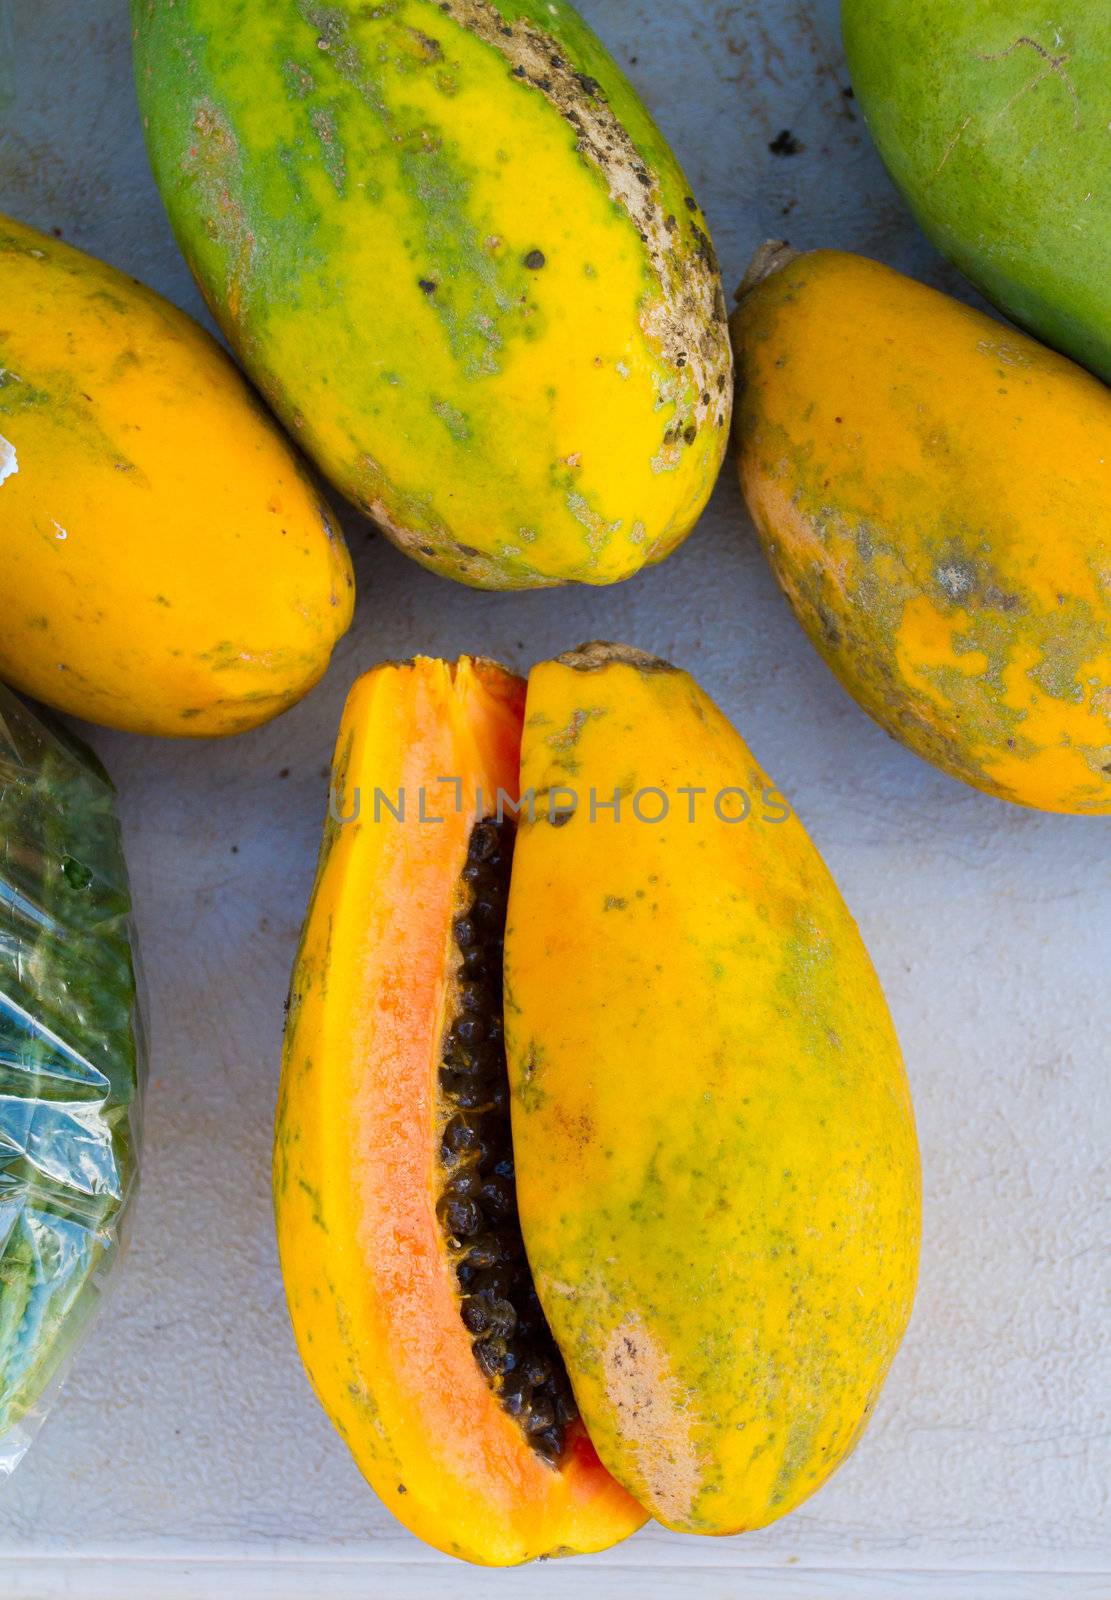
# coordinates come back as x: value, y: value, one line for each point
x: 457, y: 256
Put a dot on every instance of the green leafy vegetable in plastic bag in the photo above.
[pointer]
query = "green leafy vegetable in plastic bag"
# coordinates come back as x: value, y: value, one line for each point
x: 71, y: 1055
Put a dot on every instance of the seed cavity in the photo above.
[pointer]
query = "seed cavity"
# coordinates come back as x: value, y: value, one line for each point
x: 477, y: 1208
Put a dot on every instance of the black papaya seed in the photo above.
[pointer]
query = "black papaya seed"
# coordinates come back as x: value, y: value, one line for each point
x: 516, y: 1402
x: 465, y: 932
x: 460, y: 1217
x: 502, y: 1319
x: 475, y: 1315
x: 536, y: 1370
x: 565, y: 1408
x: 495, y: 1282
x: 489, y: 1355
x: 478, y: 998
x: 541, y: 1416
x: 488, y: 909
x: 484, y: 840
x: 466, y: 1064
x: 550, y: 1443
x: 467, y: 1031
x: 467, y: 1185
x: 461, y: 1135
x: 473, y: 1094
x: 499, y: 1200
x: 485, y: 1252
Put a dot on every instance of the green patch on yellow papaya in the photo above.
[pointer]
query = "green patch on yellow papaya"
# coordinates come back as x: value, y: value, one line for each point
x: 458, y: 258
x: 931, y: 490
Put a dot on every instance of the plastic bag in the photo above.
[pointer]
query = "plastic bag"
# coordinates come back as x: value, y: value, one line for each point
x: 71, y: 1057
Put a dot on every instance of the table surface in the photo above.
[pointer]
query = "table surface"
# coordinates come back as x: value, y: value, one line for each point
x: 186, y: 1455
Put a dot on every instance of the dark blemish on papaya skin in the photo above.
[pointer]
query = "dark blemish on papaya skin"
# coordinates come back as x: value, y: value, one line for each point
x: 785, y: 144
x: 431, y: 48
x: 427, y: 285
x: 535, y: 260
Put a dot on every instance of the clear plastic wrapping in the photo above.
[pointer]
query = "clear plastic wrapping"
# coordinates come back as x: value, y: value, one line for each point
x: 71, y: 1057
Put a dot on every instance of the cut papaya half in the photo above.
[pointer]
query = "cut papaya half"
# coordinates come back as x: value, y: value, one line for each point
x: 687, y: 1168
x: 395, y: 1195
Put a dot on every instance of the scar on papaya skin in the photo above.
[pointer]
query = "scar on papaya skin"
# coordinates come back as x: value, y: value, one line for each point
x: 567, y: 738
x: 214, y: 161
x: 598, y: 654
x: 651, y: 1409
x: 682, y: 319
x: 950, y: 147
x: 1054, y: 67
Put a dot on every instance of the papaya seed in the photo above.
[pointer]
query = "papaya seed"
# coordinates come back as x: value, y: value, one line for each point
x: 477, y: 1209
x: 536, y: 1371
x: 461, y: 1217
x: 542, y: 1416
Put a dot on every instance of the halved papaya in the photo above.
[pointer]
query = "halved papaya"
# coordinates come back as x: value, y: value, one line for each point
x: 393, y: 1176
x: 697, y: 1168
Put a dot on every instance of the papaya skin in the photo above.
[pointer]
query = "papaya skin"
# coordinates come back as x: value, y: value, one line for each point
x: 456, y: 255
x: 168, y: 566
x: 991, y: 117
x: 933, y: 492
x: 371, y: 1293
x: 716, y: 1159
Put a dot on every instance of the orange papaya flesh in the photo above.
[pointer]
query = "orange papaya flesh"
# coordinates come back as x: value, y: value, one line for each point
x: 394, y: 1186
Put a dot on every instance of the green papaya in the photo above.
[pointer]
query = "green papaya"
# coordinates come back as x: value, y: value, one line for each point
x: 70, y: 1054
x: 458, y: 258
x: 992, y: 117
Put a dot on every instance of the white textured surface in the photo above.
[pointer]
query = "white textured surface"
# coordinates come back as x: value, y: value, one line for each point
x: 187, y: 1455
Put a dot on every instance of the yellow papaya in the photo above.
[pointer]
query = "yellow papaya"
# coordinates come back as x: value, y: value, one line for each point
x: 595, y: 1171
x: 455, y: 253
x: 933, y: 492
x: 717, y: 1169
x: 168, y: 566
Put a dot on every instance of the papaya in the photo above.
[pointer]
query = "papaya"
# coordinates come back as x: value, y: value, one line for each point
x: 393, y: 1168
x: 72, y: 1056
x: 933, y: 492
x: 169, y: 567
x: 992, y: 118
x: 717, y: 1170
x: 458, y: 258
x: 595, y: 1173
